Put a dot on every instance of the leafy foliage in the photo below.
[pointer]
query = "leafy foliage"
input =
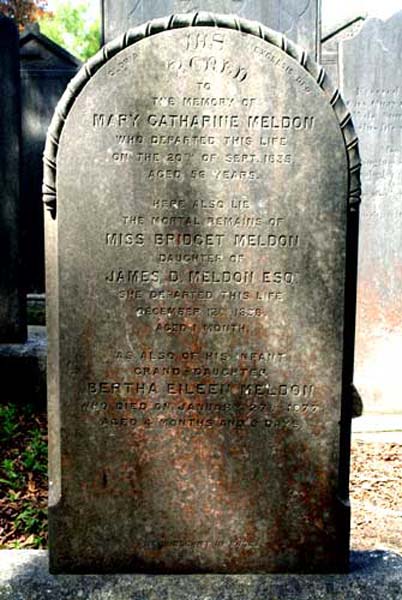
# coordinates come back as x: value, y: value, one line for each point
x: 8, y: 416
x: 24, y: 11
x: 23, y: 477
x: 70, y: 27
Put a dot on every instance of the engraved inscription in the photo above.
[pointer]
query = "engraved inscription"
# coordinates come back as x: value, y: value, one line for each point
x: 199, y: 246
x: 201, y: 237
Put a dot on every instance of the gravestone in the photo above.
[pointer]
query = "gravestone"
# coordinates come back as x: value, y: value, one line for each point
x: 330, y: 45
x: 200, y: 185
x: 299, y: 20
x: 12, y: 305
x: 46, y: 68
x: 371, y: 78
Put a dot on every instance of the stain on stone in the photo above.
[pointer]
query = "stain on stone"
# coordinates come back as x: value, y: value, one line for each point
x: 201, y: 384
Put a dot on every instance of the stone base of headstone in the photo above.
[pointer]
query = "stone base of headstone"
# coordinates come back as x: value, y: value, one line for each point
x: 24, y: 574
x: 23, y: 369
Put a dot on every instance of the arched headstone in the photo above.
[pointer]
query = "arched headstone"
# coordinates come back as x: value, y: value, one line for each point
x: 202, y: 187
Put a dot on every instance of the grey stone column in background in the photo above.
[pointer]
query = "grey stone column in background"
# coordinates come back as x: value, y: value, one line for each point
x: 12, y: 309
x: 330, y: 44
x: 299, y: 20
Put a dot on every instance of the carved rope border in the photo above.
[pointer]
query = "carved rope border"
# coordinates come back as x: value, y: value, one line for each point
x: 199, y: 19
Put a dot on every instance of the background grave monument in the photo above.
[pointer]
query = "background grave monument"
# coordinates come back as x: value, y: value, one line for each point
x: 330, y: 44
x: 201, y: 231
x: 299, y: 20
x: 46, y: 69
x: 12, y: 301
x: 371, y: 80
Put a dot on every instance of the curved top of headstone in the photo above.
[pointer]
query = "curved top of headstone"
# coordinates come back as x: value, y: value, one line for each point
x: 198, y: 19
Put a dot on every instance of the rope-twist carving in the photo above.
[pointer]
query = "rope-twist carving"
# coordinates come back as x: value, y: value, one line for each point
x: 199, y: 19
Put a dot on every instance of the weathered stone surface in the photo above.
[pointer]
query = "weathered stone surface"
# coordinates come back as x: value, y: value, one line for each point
x: 46, y: 69
x: 24, y: 575
x: 372, y: 83
x: 199, y: 348
x: 12, y: 309
x: 330, y: 45
x: 299, y: 20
